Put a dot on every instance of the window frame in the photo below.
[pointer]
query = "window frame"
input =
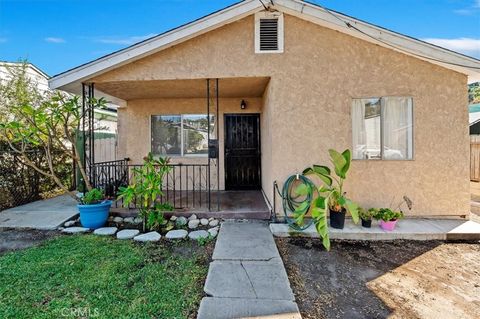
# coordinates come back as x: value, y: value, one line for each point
x: 280, y: 36
x: 382, y: 106
x: 182, y: 151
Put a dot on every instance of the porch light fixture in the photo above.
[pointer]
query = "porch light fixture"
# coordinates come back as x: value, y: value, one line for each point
x: 243, y: 105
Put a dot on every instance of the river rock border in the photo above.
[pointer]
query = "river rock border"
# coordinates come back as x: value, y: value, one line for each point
x: 191, y: 227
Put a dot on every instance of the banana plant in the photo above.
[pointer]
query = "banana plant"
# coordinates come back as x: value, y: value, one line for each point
x: 330, y: 194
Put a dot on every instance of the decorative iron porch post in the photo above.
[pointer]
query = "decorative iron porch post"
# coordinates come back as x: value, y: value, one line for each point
x: 88, y: 117
x: 213, y: 144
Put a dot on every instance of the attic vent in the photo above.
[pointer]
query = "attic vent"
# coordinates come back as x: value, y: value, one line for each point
x: 268, y: 32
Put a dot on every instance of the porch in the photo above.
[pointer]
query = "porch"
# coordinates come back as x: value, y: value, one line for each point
x: 186, y: 189
x: 209, y: 129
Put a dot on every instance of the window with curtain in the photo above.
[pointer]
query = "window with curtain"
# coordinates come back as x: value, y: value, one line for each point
x: 382, y: 128
x: 181, y: 135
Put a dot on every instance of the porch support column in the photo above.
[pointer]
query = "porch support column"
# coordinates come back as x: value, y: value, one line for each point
x: 91, y: 133
x: 84, y: 137
x: 213, y: 109
x: 88, y: 117
x: 209, y: 196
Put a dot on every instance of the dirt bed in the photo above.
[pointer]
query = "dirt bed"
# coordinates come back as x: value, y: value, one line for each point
x: 11, y: 239
x: 401, y: 279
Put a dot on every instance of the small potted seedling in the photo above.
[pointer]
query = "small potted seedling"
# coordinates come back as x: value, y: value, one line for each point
x: 366, y: 216
x: 388, y: 218
x: 94, y: 209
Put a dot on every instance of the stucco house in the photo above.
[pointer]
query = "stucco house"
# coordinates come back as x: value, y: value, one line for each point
x: 259, y: 91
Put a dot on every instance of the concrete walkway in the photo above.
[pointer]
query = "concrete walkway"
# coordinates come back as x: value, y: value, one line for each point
x: 46, y: 214
x: 247, y: 277
x: 410, y: 229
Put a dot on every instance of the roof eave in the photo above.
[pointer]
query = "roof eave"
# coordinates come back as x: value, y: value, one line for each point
x: 73, y: 77
x: 70, y: 80
x: 404, y: 44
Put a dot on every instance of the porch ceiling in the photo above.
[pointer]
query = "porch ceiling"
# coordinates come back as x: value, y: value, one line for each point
x: 192, y: 88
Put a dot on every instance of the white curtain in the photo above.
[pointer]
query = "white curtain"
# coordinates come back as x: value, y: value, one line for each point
x: 366, y: 128
x: 397, y: 128
x: 358, y: 129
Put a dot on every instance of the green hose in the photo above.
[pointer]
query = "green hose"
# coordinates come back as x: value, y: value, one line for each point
x: 291, y: 201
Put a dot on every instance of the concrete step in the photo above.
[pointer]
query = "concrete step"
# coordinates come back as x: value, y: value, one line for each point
x: 475, y: 211
x: 410, y: 229
x: 229, y: 308
x: 224, y: 214
x: 248, y: 279
x: 475, y: 217
x: 245, y: 241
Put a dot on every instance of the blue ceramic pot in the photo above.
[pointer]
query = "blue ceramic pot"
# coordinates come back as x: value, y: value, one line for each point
x: 94, y: 216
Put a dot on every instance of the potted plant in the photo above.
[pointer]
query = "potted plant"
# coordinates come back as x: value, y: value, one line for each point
x: 331, y: 197
x: 334, y: 197
x: 388, y: 218
x: 94, y: 209
x: 366, y: 216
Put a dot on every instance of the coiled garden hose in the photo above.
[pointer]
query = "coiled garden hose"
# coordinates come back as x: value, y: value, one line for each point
x: 292, y: 201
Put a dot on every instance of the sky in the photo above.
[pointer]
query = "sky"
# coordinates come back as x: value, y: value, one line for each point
x: 57, y: 35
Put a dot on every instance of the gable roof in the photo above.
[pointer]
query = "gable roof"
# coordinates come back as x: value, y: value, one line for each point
x: 70, y: 80
x: 31, y: 66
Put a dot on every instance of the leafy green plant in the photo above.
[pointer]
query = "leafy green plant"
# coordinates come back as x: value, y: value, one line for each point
x: 367, y: 214
x: 202, y: 241
x: 331, y: 196
x: 93, y: 196
x: 387, y: 214
x: 474, y: 93
x: 50, y: 124
x: 155, y: 218
x: 146, y: 188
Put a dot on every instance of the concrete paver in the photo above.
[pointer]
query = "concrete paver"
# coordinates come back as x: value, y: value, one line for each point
x: 221, y: 275
x: 46, y: 214
x: 247, y: 277
x: 245, y: 241
x: 221, y: 308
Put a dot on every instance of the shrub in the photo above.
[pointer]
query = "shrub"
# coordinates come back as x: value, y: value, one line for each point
x: 145, y: 189
x: 93, y: 196
x: 367, y: 214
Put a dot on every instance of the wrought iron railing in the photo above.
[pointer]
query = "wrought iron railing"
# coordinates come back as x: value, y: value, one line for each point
x: 185, y: 186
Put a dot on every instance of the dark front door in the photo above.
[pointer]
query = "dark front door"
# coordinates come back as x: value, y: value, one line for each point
x: 242, y: 151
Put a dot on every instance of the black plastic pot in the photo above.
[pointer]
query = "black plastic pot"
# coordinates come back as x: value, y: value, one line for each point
x: 337, y: 219
x: 367, y: 223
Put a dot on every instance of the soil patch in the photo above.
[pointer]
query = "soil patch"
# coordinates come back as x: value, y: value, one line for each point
x: 398, y: 279
x: 11, y: 239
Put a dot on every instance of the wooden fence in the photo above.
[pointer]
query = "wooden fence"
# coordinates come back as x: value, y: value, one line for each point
x: 475, y: 158
x: 105, y: 149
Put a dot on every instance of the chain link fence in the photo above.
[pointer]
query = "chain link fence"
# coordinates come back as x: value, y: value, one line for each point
x: 21, y: 184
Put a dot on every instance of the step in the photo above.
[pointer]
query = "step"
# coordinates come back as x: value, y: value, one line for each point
x: 248, y: 279
x: 229, y: 308
x: 245, y: 241
x: 408, y: 229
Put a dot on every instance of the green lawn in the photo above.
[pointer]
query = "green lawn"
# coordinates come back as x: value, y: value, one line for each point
x: 87, y: 276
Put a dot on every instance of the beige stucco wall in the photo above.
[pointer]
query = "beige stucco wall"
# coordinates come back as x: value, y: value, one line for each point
x: 134, y: 132
x: 308, y: 101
